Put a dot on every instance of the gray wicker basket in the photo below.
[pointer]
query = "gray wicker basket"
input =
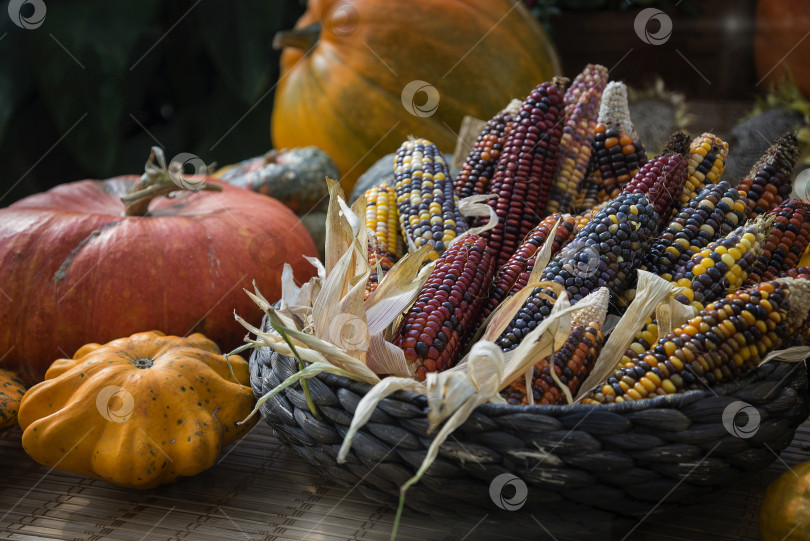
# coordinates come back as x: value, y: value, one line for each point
x: 579, y: 463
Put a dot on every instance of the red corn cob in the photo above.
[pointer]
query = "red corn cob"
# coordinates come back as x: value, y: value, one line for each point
x: 477, y: 170
x: 663, y: 177
x: 769, y: 181
x: 798, y: 272
x: 572, y: 363
x: 514, y: 275
x: 435, y: 329
x: 785, y: 243
x: 526, y: 169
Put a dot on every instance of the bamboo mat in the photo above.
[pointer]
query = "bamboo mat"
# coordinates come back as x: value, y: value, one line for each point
x: 261, y: 490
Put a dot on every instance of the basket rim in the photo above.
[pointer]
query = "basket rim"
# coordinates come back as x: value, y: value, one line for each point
x: 672, y: 401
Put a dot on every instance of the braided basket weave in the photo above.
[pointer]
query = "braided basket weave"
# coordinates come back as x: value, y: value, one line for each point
x: 625, y: 459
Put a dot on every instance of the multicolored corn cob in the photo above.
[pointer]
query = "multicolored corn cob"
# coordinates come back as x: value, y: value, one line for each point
x: 786, y: 242
x: 723, y: 265
x: 603, y: 254
x: 536, y: 308
x: 617, y: 152
x: 721, y: 343
x: 798, y: 272
x: 769, y: 181
x: 572, y: 363
x: 642, y: 341
x: 526, y: 169
x: 707, y: 161
x: 586, y: 216
x: 581, y: 101
x: 380, y: 260
x: 426, y: 200
x: 714, y: 212
x: 514, y: 275
x: 592, y: 76
x: 663, y: 177
x: 435, y: 329
x: 479, y: 167
x: 383, y: 219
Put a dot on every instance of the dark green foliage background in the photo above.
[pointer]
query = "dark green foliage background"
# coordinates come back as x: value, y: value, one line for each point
x: 202, y: 75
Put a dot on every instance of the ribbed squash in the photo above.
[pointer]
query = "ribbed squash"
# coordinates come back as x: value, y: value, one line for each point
x: 12, y: 390
x: 137, y: 412
x: 358, y: 76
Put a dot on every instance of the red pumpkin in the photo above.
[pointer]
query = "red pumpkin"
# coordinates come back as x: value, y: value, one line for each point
x: 76, y: 270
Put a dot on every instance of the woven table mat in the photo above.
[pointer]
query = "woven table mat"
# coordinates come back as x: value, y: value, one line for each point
x: 261, y: 490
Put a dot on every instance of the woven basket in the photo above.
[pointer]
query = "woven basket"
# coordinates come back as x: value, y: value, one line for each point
x: 578, y: 462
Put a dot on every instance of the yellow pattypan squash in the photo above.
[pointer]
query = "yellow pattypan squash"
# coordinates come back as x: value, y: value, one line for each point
x: 138, y: 412
x: 12, y: 390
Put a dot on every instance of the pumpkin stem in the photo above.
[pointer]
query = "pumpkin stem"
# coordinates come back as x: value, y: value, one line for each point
x: 300, y: 38
x: 158, y: 180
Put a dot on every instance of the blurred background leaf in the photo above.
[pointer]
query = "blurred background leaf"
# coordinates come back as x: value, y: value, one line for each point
x: 89, y: 91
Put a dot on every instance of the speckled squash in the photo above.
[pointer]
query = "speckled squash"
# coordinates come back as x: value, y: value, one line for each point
x: 138, y: 412
x: 12, y: 390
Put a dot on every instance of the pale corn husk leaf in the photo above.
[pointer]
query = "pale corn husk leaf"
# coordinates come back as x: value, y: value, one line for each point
x: 447, y: 391
x: 384, y: 307
x: 794, y: 354
x: 337, y: 240
x: 504, y: 313
x: 312, y: 349
x: 475, y: 206
x: 611, y: 320
x: 311, y: 370
x: 340, y: 301
x: 651, y: 290
x: 544, y: 254
x: 365, y: 408
x: 672, y: 314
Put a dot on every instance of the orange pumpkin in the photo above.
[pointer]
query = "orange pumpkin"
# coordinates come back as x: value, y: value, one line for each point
x: 780, y: 42
x: 359, y: 76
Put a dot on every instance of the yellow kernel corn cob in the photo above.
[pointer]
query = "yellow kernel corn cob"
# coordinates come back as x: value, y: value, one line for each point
x: 721, y: 343
x: 707, y: 160
x: 723, y: 265
x: 426, y: 200
x: 382, y: 218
